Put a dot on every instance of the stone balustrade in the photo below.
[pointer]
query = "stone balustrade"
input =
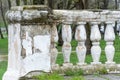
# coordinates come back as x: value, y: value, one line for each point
x: 67, y: 17
x: 33, y: 36
x: 95, y: 37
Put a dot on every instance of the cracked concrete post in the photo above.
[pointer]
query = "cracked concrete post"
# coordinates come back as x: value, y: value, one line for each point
x: 29, y: 41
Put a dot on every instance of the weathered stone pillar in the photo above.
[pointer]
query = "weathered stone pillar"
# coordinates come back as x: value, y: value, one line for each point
x: 109, y: 38
x: 29, y: 41
x: 80, y: 36
x: 95, y: 38
x: 66, y: 48
x: 54, y: 51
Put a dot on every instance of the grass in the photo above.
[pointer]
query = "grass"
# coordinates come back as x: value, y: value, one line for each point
x: 2, y: 24
x: 55, y: 76
x: 78, y: 78
x: 3, y: 66
x: 3, y: 46
x: 73, y: 45
x: 73, y: 58
x: 73, y: 72
x: 52, y: 76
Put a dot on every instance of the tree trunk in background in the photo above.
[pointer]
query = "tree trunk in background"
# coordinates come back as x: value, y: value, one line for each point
x: 9, y: 4
x: 2, y: 37
x: 22, y: 2
x: 51, y: 4
x: 45, y: 2
x: 13, y: 3
x: 79, y: 5
x: 88, y: 42
x: 37, y: 2
x: 18, y: 2
x: 26, y: 2
x: 3, y: 16
x: 116, y: 4
x: 29, y: 2
x: 59, y: 29
x: 85, y: 3
x: 115, y: 28
x: 65, y: 4
x: 106, y: 2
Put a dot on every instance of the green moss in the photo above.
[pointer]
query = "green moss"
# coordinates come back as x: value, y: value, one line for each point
x: 33, y: 7
x: 30, y: 7
x: 73, y: 72
x: 52, y: 76
x: 103, y: 71
x: 78, y: 78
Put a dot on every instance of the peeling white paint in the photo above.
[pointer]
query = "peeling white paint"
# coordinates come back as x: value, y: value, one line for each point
x: 40, y: 60
x: 27, y: 44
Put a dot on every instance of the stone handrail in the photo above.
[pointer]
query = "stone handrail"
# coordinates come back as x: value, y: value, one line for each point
x: 87, y: 16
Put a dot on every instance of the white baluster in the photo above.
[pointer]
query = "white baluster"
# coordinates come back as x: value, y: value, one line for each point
x: 95, y: 38
x: 54, y: 51
x: 80, y: 36
x: 109, y: 38
x: 66, y: 48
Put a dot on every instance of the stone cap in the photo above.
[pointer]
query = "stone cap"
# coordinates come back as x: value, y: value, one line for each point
x: 43, y: 14
x: 28, y: 14
x: 87, y: 15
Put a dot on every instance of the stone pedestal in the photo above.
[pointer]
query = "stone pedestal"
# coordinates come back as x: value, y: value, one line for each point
x: 29, y: 41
